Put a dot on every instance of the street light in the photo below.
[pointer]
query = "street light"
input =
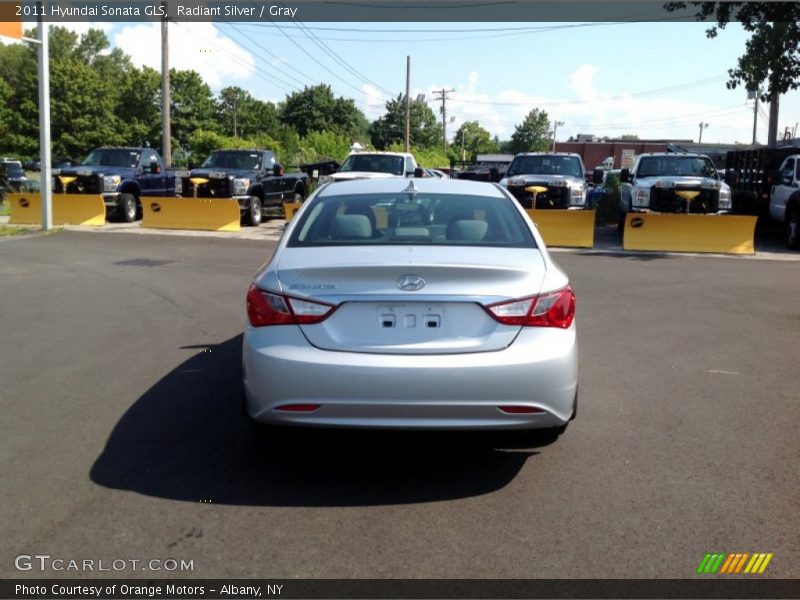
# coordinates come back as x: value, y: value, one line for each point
x: 556, y: 125
x: 702, y: 126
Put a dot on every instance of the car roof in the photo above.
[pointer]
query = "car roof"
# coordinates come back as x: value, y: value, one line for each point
x: 547, y: 154
x: 396, y: 185
x: 379, y: 152
x: 685, y: 154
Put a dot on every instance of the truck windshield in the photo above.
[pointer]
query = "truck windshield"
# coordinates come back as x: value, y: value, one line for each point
x: 545, y: 165
x: 113, y: 157
x: 676, y: 166
x: 11, y: 169
x: 374, y: 163
x: 226, y: 159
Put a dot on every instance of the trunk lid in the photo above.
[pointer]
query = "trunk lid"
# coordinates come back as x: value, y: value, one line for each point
x: 445, y: 315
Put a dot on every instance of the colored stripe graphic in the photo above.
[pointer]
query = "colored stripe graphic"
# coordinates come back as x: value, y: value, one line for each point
x: 702, y: 566
x: 734, y: 562
x: 766, y: 562
x: 727, y: 564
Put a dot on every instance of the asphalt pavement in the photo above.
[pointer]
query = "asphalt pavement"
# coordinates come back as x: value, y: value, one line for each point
x: 123, y: 436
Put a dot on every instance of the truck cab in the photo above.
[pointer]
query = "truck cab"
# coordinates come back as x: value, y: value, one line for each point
x: 122, y: 176
x: 252, y: 177
x: 669, y: 182
x: 562, y: 174
x: 374, y: 165
x: 784, y: 203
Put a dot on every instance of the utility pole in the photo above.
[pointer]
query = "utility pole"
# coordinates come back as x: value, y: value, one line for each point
x: 442, y: 95
x: 45, y: 185
x: 755, y: 115
x: 702, y: 126
x: 166, y: 145
x: 556, y: 125
x: 235, y: 129
x: 408, y: 104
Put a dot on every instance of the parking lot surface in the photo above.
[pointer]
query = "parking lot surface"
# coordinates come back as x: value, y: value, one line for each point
x: 123, y: 436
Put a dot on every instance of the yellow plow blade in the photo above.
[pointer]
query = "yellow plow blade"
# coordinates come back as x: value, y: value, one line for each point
x: 725, y: 234
x: 290, y: 209
x: 208, y: 214
x: 68, y: 209
x: 568, y: 228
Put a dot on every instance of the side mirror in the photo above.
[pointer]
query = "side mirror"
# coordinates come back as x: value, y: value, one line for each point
x: 597, y: 177
x: 278, y: 170
x: 625, y: 176
x: 418, y: 172
x: 192, y: 165
x: 155, y: 168
x: 494, y: 174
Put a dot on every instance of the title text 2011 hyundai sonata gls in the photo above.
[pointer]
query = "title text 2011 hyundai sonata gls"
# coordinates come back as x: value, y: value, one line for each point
x: 419, y: 304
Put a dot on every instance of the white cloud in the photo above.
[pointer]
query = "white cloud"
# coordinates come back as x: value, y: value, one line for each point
x: 593, y: 110
x: 374, y: 103
x: 196, y: 46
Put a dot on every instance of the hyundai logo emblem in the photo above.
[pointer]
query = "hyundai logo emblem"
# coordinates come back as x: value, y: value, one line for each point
x: 410, y: 283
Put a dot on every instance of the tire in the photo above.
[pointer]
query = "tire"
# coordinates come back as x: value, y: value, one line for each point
x: 793, y: 228
x: 127, y: 208
x: 253, y: 215
x: 298, y: 196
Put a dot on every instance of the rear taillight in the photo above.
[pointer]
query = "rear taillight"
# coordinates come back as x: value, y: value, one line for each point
x: 554, y: 309
x: 265, y: 308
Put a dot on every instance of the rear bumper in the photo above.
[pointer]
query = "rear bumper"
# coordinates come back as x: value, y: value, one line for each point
x: 451, y: 391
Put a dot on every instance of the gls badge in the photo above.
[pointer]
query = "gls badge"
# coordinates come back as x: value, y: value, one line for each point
x: 410, y: 283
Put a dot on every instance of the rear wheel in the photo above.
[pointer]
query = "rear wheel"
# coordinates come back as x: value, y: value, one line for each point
x: 793, y: 228
x: 127, y: 208
x: 253, y: 214
x: 298, y: 196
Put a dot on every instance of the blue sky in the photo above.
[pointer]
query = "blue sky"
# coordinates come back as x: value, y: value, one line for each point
x: 656, y: 80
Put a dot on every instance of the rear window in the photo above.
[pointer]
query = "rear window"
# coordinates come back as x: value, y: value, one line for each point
x: 545, y: 165
x: 419, y: 218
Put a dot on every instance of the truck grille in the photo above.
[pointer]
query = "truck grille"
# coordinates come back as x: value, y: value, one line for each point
x: 214, y: 188
x: 91, y: 184
x: 555, y: 197
x: 664, y: 200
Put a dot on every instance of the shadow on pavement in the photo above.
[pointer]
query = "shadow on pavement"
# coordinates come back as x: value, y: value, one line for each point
x: 187, y: 439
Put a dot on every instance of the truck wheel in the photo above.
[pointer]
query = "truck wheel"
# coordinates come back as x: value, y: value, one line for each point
x: 127, y: 208
x: 298, y: 197
x: 253, y: 214
x: 793, y: 229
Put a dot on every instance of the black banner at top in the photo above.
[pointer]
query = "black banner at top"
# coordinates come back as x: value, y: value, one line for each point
x: 63, y: 11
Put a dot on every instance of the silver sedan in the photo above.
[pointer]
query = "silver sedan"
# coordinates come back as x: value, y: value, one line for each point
x: 411, y: 304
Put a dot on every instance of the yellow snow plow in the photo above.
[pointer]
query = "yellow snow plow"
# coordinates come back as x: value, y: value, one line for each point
x: 680, y: 232
x: 561, y: 227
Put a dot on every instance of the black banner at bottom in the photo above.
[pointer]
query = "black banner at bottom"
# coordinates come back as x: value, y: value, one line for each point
x: 378, y: 589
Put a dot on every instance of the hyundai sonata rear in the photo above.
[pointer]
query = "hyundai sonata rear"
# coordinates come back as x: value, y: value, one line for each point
x: 411, y: 304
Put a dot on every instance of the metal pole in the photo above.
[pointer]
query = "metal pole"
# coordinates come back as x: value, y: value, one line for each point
x: 755, y: 117
x: 408, y: 104
x: 555, y: 131
x: 46, y: 181
x: 444, y: 119
x: 166, y: 142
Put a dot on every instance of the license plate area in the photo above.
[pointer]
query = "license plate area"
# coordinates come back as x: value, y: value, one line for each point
x: 410, y: 316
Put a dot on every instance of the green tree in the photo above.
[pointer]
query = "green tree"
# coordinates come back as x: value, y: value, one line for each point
x: 241, y: 114
x: 772, y: 53
x: 325, y: 144
x: 19, y: 132
x: 317, y: 109
x: 139, y: 107
x: 425, y: 130
x: 193, y: 107
x: 533, y: 134
x: 470, y: 140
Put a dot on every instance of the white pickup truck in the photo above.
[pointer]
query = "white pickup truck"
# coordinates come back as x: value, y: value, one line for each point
x: 784, y: 200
